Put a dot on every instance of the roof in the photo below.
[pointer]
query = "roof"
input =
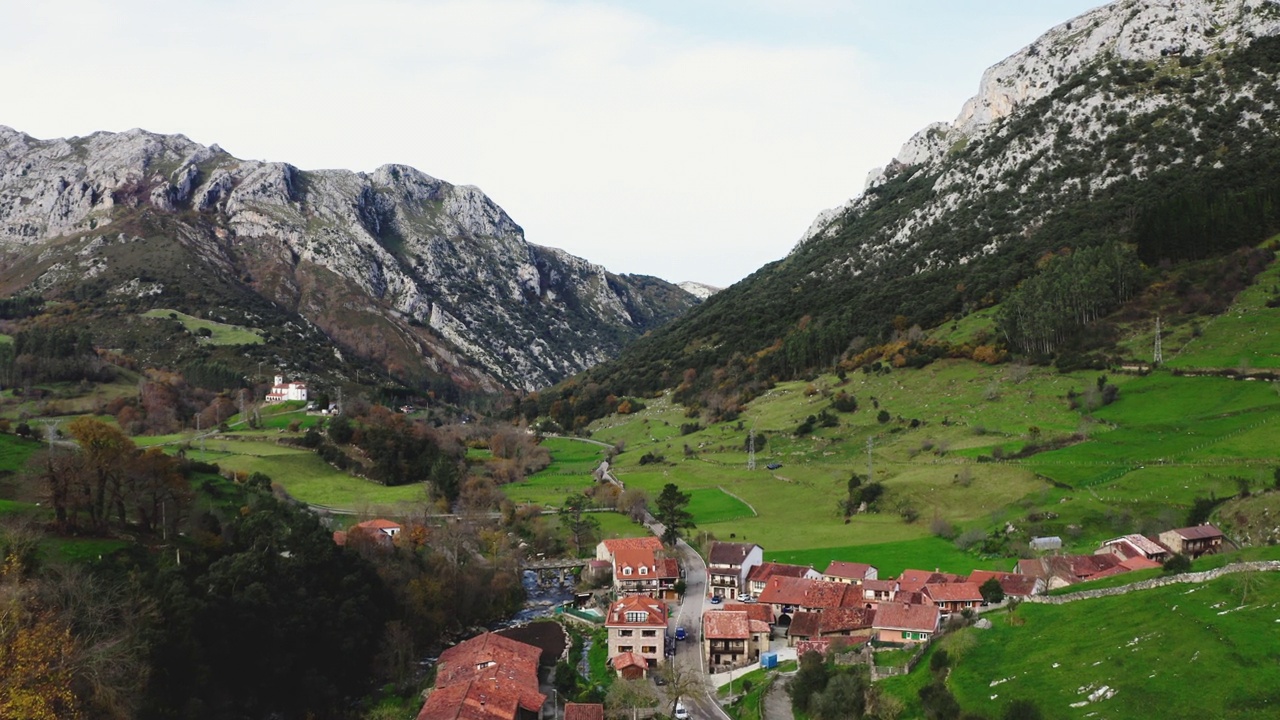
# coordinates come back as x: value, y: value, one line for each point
x: 583, y: 711
x: 851, y: 570
x: 727, y: 553
x: 803, y: 592
x: 668, y: 568
x: 1198, y: 532
x: 488, y: 677
x: 648, y: 542
x: 880, y: 585
x: 915, y: 580
x: 1139, y: 563
x: 805, y: 624
x: 953, y: 592
x: 755, y: 611
x: 1051, y: 542
x: 725, y: 625
x: 764, y: 571
x: 845, y: 620
x: 379, y: 524
x: 635, y: 558
x: 1143, y: 545
x: 900, y: 616
x: 628, y: 659
x: 818, y: 645
x: 1011, y: 583
x: 758, y: 626
x: 655, y: 612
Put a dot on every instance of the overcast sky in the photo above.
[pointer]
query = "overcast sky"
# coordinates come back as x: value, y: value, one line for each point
x: 692, y: 140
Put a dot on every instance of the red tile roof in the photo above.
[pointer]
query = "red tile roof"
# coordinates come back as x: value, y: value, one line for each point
x: 1140, y: 563
x: 899, y: 616
x: 845, y: 620
x: 880, y: 585
x: 1135, y: 544
x: 824, y: 594
x: 488, y: 677
x: 648, y: 542
x: 805, y: 624
x: 953, y: 592
x: 915, y: 580
x: 628, y: 659
x: 818, y: 645
x: 655, y: 612
x: 729, y: 553
x: 583, y: 711
x: 635, y: 559
x: 725, y: 625
x: 379, y: 524
x: 755, y: 611
x: 1198, y: 532
x: 851, y: 570
x: 764, y: 571
x: 784, y: 591
x: 668, y: 568
x: 1011, y: 583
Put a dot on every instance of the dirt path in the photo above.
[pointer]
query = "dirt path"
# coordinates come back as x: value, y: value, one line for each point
x: 777, y: 703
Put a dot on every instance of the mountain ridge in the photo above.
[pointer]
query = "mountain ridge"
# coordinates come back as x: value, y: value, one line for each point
x: 453, y: 284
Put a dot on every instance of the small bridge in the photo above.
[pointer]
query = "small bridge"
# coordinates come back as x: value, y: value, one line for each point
x: 552, y: 569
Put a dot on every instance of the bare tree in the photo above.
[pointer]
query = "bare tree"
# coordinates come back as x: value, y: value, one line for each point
x: 682, y: 682
x: 630, y: 695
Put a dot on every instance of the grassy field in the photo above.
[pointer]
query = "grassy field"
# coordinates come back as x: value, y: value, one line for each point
x: 220, y: 333
x: 1243, y: 338
x: 1180, y: 648
x: 890, y: 559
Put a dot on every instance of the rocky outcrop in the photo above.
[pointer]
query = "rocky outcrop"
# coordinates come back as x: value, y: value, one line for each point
x: 1125, y: 30
x: 446, y: 270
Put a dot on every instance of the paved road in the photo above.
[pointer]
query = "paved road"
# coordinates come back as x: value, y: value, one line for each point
x: 688, y: 615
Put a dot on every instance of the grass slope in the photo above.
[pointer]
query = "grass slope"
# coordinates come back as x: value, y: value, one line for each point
x: 1182, y: 651
x: 220, y: 333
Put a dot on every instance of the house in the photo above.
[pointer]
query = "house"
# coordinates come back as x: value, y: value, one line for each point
x: 1062, y: 570
x: 760, y: 574
x: 849, y: 572
x: 728, y: 565
x: 1013, y: 584
x: 1135, y: 545
x: 606, y: 549
x: 380, y: 532
x: 852, y: 623
x: 629, y: 666
x: 488, y: 677
x: 755, y: 611
x: 637, y: 627
x: 1127, y: 565
x: 875, y: 592
x: 905, y: 623
x: 644, y: 572
x: 281, y: 391
x: 583, y: 711
x: 953, y: 597
x: 915, y: 580
x: 732, y: 639
x: 1193, y: 541
x: 788, y: 595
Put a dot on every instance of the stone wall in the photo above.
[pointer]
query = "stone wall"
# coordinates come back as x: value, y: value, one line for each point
x: 1196, y: 577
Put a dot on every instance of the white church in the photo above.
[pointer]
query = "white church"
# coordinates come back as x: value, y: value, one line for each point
x: 282, y: 391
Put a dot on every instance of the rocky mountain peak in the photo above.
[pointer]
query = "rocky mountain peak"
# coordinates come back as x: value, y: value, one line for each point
x: 413, y: 250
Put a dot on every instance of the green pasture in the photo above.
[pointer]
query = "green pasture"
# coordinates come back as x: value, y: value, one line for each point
x: 617, y: 525
x: 1245, y: 337
x: 891, y: 558
x: 74, y: 549
x: 1189, y: 648
x: 15, y: 451
x: 222, y: 333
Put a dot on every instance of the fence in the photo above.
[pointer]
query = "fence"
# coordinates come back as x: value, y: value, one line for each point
x: 1196, y: 577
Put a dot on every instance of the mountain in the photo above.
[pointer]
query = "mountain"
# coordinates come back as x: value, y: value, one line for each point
x: 702, y: 291
x: 1146, y: 125
x: 424, y: 279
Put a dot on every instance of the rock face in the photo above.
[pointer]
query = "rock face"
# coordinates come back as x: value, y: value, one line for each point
x: 394, y: 265
x: 1126, y: 30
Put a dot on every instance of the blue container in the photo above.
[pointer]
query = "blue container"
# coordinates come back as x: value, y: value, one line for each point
x: 769, y: 660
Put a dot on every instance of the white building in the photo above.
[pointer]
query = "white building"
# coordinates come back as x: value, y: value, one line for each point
x: 282, y: 391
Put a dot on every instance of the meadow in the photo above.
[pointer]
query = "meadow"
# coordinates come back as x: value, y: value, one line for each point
x: 219, y: 333
x: 1184, y: 647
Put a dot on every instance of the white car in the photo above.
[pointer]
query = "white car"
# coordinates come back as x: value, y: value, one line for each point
x: 681, y: 712
x: 745, y: 598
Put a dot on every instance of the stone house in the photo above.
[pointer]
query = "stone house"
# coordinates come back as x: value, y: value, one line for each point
x: 1193, y: 541
x: 728, y: 565
x: 732, y: 639
x: 637, y: 627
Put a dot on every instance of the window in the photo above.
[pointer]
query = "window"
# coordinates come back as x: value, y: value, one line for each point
x: 626, y: 571
x: 651, y: 649
x: 644, y: 570
x: 636, y: 616
x: 648, y: 633
x: 626, y: 633
x: 626, y: 648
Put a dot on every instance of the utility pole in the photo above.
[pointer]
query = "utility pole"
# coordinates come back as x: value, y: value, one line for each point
x: 1159, y: 353
x: 870, y: 466
x: 50, y: 431
x: 751, y: 448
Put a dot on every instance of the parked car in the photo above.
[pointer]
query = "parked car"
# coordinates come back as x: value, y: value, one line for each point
x: 681, y: 634
x: 745, y: 598
x: 774, y: 466
x: 715, y: 599
x: 681, y: 712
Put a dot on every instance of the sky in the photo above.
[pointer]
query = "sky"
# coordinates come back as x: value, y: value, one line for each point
x: 691, y: 140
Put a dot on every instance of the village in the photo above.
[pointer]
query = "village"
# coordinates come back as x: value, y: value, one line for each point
x: 734, y: 612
